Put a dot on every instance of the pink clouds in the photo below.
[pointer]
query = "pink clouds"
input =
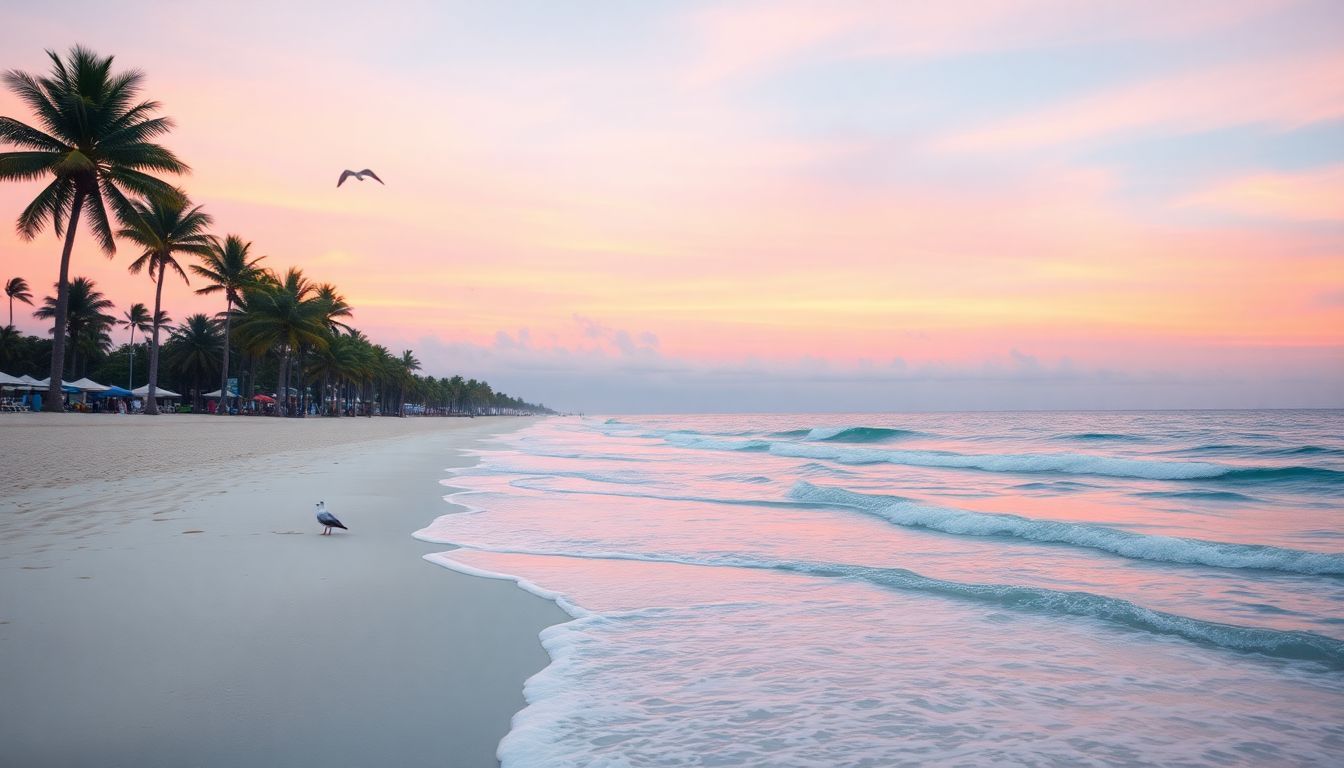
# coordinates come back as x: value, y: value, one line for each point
x: 1316, y: 195
x: 628, y: 187
x: 1287, y: 93
x: 744, y: 39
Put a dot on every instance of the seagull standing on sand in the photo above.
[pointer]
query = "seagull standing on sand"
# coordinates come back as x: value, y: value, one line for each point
x: 326, y: 518
x: 358, y: 175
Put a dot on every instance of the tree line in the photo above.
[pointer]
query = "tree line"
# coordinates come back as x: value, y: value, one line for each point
x: 94, y: 145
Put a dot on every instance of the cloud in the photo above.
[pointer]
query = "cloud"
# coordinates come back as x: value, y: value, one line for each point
x: 744, y: 40
x: 1287, y: 92
x: 607, y: 380
x: 1315, y: 195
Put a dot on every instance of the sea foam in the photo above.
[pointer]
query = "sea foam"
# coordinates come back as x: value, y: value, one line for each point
x: 1138, y: 546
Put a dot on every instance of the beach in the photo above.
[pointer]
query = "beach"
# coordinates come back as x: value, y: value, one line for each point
x: 167, y: 598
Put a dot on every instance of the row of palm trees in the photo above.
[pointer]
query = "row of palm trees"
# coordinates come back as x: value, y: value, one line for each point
x: 94, y: 145
x: 337, y: 370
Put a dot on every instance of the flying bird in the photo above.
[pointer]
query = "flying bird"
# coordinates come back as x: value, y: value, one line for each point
x: 326, y: 518
x: 358, y: 175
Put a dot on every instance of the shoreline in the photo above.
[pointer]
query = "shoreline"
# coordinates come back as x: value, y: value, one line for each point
x: 151, y: 619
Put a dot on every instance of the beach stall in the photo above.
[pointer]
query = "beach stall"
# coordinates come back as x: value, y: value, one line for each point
x: 31, y: 400
x: 115, y: 393
x: 89, y: 385
x: 67, y: 387
x: 14, y: 384
x: 82, y: 387
x: 224, y: 399
x: 160, y: 393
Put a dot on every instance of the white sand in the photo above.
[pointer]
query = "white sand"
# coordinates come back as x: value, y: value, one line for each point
x: 166, y: 600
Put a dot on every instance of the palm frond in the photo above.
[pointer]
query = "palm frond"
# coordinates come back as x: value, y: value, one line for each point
x: 27, y: 166
x: 30, y: 91
x: 45, y: 207
x: 136, y: 132
x: 17, y: 133
x: 102, y: 228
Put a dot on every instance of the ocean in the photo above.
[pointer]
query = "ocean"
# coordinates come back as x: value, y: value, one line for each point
x: 958, y: 589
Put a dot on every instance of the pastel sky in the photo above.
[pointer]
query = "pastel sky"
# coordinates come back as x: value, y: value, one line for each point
x: 683, y: 206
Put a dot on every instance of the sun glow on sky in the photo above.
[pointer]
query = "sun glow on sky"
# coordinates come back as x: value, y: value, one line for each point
x: 727, y: 206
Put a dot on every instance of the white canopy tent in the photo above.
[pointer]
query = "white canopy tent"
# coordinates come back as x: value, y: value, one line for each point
x: 11, y: 381
x: 215, y: 395
x: 88, y: 385
x: 22, y: 383
x: 159, y: 393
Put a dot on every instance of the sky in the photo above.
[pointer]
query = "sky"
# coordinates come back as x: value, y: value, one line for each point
x: 617, y: 207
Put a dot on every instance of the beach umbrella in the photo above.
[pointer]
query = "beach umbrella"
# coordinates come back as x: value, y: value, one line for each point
x: 115, y: 391
x: 263, y: 398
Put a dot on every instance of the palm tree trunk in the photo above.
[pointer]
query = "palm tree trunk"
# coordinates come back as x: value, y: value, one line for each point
x: 302, y: 399
x: 282, y: 395
x: 224, y: 369
x: 151, y: 404
x: 55, y: 399
x: 130, y: 347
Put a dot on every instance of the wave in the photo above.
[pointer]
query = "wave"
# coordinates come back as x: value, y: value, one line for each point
x: 747, y: 479
x: 1305, y: 450
x: 1217, y: 449
x: 1200, y: 495
x: 1067, y: 463
x: 858, y: 434
x: 539, y: 483
x: 1136, y: 546
x: 1110, y: 437
x: 1055, y: 486
x: 616, y: 477
x: 1283, y: 474
x: 686, y: 440
x: 1285, y: 644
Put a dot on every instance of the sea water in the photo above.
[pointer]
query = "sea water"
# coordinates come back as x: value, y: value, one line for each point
x: 1044, y: 589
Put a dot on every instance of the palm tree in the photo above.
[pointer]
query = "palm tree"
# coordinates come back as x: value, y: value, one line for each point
x: 407, y: 366
x: 17, y: 288
x: 336, y: 307
x: 228, y: 268
x: 10, y: 339
x: 164, y: 227
x: 85, y: 318
x: 283, y: 316
x: 96, y: 145
x: 193, y: 352
x: 136, y: 319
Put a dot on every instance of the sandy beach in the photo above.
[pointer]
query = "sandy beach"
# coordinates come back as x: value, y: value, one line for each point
x: 167, y: 598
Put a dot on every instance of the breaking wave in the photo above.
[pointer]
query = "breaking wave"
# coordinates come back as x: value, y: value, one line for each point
x: 1136, y: 546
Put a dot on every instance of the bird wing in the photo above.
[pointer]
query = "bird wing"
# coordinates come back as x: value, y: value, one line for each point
x: 372, y: 175
x: 326, y: 518
x: 345, y: 175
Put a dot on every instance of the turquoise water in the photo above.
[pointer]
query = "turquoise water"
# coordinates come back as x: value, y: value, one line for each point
x: 923, y: 589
